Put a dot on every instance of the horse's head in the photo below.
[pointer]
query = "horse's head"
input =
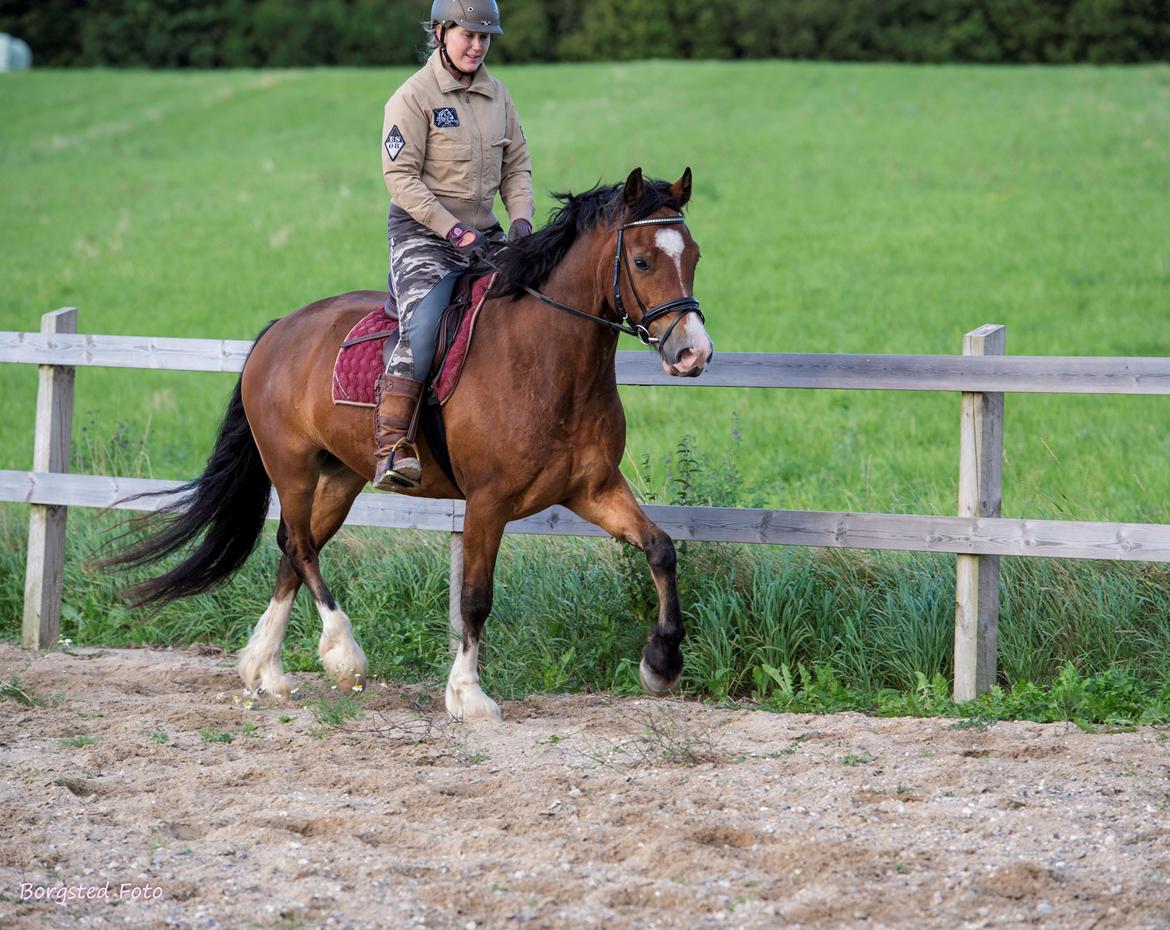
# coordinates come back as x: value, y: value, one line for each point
x: 654, y: 278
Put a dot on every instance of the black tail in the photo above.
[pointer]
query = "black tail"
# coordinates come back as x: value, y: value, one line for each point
x: 227, y: 504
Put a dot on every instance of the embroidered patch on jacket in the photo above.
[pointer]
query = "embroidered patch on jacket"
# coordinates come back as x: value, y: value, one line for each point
x: 446, y: 117
x: 394, y: 143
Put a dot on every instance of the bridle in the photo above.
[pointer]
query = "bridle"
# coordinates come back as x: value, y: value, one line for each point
x: 680, y: 305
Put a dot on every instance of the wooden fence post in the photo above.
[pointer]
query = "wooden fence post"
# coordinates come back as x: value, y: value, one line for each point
x: 980, y: 495
x: 454, y: 596
x: 45, y: 569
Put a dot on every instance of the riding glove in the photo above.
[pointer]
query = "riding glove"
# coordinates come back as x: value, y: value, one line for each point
x: 519, y: 229
x: 472, y: 247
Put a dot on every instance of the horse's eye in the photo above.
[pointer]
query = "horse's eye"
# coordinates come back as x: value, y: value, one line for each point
x: 641, y: 264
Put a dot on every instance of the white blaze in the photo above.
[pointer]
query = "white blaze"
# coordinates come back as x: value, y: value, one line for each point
x: 671, y: 242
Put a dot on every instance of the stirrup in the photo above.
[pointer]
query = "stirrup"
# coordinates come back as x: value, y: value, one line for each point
x: 409, y: 479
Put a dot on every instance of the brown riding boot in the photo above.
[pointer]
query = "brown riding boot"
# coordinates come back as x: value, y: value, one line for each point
x: 397, y: 465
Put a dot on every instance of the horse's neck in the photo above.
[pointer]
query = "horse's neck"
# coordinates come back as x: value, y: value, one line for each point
x: 577, y: 282
x: 562, y: 342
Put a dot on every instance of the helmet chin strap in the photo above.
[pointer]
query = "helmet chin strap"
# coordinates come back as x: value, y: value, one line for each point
x: 447, y: 58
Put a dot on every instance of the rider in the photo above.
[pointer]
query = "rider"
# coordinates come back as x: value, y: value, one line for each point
x: 451, y: 140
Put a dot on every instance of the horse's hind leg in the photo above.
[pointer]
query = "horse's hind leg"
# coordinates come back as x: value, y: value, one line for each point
x: 483, y: 527
x: 259, y: 663
x: 342, y: 657
x: 330, y: 500
x: 614, y: 508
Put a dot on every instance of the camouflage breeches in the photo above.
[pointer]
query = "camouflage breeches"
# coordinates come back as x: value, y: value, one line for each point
x: 416, y: 264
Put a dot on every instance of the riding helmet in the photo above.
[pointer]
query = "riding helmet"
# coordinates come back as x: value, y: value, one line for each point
x: 473, y: 15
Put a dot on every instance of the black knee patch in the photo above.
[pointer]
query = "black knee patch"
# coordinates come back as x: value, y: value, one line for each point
x: 476, y: 604
x: 327, y: 600
x: 660, y: 554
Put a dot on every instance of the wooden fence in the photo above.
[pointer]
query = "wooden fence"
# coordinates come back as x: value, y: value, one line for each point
x: 978, y: 535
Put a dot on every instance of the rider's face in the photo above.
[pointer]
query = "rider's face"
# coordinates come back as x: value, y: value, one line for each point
x: 466, y: 48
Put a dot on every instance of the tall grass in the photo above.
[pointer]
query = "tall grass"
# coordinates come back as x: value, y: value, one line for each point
x: 571, y: 614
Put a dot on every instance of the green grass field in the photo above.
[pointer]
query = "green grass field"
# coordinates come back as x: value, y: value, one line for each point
x: 841, y: 208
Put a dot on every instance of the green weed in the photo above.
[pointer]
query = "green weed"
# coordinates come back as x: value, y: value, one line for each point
x: 979, y: 724
x: 333, y: 710
x: 462, y: 753
x: 213, y: 734
x: 16, y: 690
x: 666, y: 737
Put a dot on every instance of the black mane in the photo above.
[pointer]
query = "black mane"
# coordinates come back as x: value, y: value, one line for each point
x: 528, y: 262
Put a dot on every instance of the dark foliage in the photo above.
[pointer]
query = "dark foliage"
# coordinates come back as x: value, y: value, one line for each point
x: 528, y: 262
x: 280, y: 33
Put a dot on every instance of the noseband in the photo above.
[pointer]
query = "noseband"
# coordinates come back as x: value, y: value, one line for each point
x: 680, y: 305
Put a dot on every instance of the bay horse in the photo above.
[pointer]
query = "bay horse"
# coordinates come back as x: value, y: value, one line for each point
x: 535, y: 420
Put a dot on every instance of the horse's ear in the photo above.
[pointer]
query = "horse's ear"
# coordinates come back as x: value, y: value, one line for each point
x: 680, y: 190
x: 634, y: 187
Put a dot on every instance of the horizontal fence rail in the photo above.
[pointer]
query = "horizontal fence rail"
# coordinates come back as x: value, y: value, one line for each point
x: 1048, y: 374
x: 1063, y: 539
x: 977, y: 537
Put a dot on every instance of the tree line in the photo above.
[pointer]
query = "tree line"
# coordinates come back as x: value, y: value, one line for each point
x: 282, y: 33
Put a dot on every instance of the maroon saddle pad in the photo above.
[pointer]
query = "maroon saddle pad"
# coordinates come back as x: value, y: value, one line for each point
x: 360, y: 358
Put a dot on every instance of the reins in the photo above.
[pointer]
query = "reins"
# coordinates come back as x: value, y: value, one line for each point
x: 640, y: 330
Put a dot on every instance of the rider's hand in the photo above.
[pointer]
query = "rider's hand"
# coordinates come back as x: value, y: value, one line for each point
x: 467, y: 239
x: 519, y: 229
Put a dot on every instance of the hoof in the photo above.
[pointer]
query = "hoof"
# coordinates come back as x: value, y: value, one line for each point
x: 350, y: 680
x: 345, y: 663
x: 652, y: 683
x: 470, y: 703
x: 278, y: 688
x: 264, y: 677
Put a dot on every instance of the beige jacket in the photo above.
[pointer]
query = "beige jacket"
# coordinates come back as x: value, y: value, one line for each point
x: 447, y: 149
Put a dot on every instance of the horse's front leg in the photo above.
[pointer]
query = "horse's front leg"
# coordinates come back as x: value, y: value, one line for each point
x: 615, y: 510
x: 483, y: 527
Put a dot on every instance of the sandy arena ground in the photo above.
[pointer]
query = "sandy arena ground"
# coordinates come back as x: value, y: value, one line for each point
x: 577, y: 811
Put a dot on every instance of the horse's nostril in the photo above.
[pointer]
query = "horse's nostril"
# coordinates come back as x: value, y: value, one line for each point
x: 686, y: 358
